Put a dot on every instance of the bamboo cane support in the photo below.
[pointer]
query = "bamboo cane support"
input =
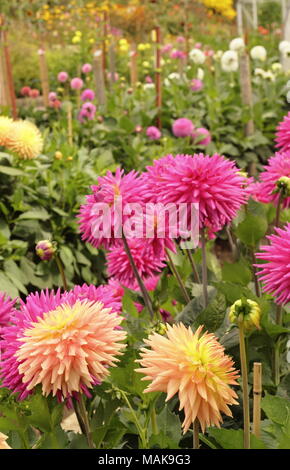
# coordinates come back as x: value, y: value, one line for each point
x: 43, y: 76
x: 158, y: 77
x: 99, y: 77
x: 257, y: 390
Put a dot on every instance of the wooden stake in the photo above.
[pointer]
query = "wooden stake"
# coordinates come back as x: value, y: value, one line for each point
x: 104, y: 45
x: 112, y: 62
x: 4, y: 91
x: 9, y: 76
x: 43, y: 76
x: 69, y: 125
x: 257, y: 390
x: 240, y: 18
x: 99, y: 77
x: 158, y: 84
x: 133, y: 66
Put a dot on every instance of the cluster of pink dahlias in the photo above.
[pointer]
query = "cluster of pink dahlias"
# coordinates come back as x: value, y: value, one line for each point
x: 54, y: 102
x: 184, y: 127
x: 138, y: 203
x: 63, y: 342
x: 29, y: 92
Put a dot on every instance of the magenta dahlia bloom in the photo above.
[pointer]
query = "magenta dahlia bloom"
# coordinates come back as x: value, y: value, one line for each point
x: 153, y: 133
x: 108, y: 200
x: 87, y: 68
x: 177, y: 54
x: 196, y: 84
x: 212, y: 182
x: 6, y: 310
x: 275, y: 274
x: 283, y: 134
x: 31, y: 312
x: 202, y: 136
x: 167, y: 48
x: 182, y: 127
x: 62, y: 77
x: 88, y: 95
x: 87, y: 112
x: 76, y: 83
x: 52, y: 96
x: 277, y: 167
x: 147, y: 263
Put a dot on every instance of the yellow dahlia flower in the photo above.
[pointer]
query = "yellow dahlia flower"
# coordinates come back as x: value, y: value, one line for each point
x: 195, y: 367
x: 3, y: 443
x: 247, y: 312
x: 25, y: 140
x: 5, y: 126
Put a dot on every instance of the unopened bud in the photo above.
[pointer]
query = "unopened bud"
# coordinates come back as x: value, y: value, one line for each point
x: 245, y: 312
x: 58, y: 155
x: 45, y: 249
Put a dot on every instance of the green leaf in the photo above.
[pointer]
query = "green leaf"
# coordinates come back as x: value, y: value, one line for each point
x: 169, y: 434
x: 126, y: 124
x: 237, y: 272
x: 252, y: 229
x: 233, y: 439
x: 128, y: 304
x: 38, y: 214
x: 7, y: 170
x: 276, y: 408
x: 7, y: 286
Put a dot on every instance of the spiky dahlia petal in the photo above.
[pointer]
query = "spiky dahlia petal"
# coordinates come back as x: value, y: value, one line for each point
x: 146, y: 261
x: 70, y: 347
x: 114, y: 190
x: 277, y: 167
x: 25, y: 140
x: 3, y: 443
x: 195, y: 367
x: 6, y: 310
x: 213, y: 182
x: 5, y: 126
x: 275, y: 273
x: 283, y: 134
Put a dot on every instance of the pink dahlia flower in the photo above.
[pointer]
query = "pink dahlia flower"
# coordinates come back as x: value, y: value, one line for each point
x: 196, y: 84
x: 109, y: 294
x: 88, y: 95
x: 145, y: 260
x: 153, y: 133
x: 212, y: 182
x: 25, y: 90
x: 167, y: 48
x: 182, y: 127
x: 283, y: 134
x: 275, y: 274
x: 65, y: 342
x: 52, y: 96
x: 34, y: 93
x: 87, y: 112
x: 202, y: 136
x: 87, y: 68
x: 277, y: 167
x: 177, y: 54
x: 110, y: 196
x: 62, y: 77
x: 76, y: 83
x: 6, y: 310
x: 148, y: 79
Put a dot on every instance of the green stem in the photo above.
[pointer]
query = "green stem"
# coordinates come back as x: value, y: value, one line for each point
x: 177, y: 275
x: 193, y: 266
x: 61, y: 271
x: 141, y: 431
x: 256, y: 281
x: 143, y: 289
x: 204, y: 268
x: 278, y: 211
x: 154, y: 421
x: 246, y: 408
x: 196, y: 434
x: 85, y: 419
x: 276, y: 372
x: 78, y: 415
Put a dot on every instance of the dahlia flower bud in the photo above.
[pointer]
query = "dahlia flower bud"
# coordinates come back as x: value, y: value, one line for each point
x: 246, y: 312
x: 283, y: 185
x: 45, y: 249
x: 58, y: 155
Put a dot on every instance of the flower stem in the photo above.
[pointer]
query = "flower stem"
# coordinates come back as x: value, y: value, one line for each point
x: 85, y: 419
x: 278, y: 211
x: 256, y: 281
x: 143, y: 289
x: 178, y: 278
x: 244, y: 368
x: 196, y: 434
x: 154, y: 421
x: 276, y: 371
x: 61, y: 271
x: 194, y: 268
x: 204, y: 268
x: 78, y: 415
